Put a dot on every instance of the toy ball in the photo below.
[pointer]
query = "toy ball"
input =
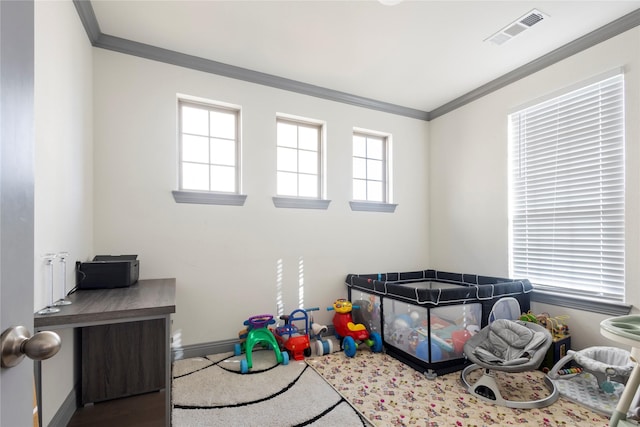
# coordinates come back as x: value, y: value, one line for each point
x: 402, y: 321
x: 436, y: 353
x: 422, y: 351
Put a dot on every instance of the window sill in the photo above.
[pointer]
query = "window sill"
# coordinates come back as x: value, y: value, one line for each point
x: 609, y: 308
x: 373, y: 207
x: 209, y: 198
x: 299, y: 203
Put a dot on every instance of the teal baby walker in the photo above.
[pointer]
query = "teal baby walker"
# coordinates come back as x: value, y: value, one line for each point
x: 625, y: 330
x: 257, y: 332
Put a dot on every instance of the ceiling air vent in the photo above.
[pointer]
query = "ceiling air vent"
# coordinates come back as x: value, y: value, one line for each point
x: 531, y: 18
x: 516, y: 27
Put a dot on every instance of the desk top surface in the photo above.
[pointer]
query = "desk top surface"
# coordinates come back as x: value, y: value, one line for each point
x: 146, y: 298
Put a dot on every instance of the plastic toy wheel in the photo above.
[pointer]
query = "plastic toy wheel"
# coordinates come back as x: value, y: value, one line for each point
x: 285, y: 358
x: 324, y: 347
x: 307, y: 352
x: 377, y: 342
x: 349, y: 345
x: 244, y: 366
x: 328, y: 346
x: 237, y: 350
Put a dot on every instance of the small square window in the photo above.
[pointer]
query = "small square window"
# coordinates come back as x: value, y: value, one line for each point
x: 209, y: 147
x: 298, y: 158
x: 209, y: 154
x: 370, y: 168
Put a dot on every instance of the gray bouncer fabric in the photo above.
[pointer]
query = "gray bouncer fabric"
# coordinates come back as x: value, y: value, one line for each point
x: 509, y: 346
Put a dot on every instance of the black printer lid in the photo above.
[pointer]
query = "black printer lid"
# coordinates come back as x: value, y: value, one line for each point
x: 115, y: 257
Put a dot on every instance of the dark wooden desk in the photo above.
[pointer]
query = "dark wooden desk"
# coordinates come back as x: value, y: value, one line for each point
x: 121, y: 330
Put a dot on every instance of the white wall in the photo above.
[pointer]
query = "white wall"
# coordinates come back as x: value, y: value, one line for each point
x: 468, y: 174
x: 226, y: 258
x: 63, y: 169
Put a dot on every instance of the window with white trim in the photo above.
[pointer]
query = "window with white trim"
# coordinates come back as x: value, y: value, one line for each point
x: 567, y: 193
x: 299, y: 158
x: 209, y: 147
x: 370, y: 169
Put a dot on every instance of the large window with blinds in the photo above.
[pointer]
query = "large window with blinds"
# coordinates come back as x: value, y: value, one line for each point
x: 567, y: 192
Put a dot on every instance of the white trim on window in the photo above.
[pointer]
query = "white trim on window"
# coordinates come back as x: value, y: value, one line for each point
x: 209, y: 198
x: 209, y: 152
x: 300, y: 162
x: 300, y: 203
x: 567, y: 193
x: 373, y: 206
x: 371, y: 178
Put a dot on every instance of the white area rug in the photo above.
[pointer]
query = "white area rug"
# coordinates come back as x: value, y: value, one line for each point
x: 211, y: 391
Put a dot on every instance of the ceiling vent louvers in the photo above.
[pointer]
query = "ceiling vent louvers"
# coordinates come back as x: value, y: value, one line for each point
x: 514, y: 30
x: 518, y: 26
x: 532, y: 18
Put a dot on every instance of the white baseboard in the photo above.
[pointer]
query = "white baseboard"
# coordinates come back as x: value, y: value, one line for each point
x: 202, y: 349
x: 65, y: 411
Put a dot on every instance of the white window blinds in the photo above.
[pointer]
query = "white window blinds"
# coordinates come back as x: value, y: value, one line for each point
x: 567, y: 192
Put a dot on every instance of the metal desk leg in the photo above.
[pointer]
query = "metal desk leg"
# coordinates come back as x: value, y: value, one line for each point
x: 167, y: 392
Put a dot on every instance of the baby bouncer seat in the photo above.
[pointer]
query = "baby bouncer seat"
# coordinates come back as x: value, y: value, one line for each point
x: 508, y: 346
x: 606, y: 364
x: 594, y: 377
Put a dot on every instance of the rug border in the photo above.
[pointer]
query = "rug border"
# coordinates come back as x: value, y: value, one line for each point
x: 307, y: 361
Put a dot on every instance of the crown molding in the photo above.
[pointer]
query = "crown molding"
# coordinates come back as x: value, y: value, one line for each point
x: 105, y: 41
x: 130, y: 47
x: 88, y: 19
x: 155, y: 53
x: 619, y: 26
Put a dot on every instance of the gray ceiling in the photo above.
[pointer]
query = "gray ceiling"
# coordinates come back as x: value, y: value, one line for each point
x: 427, y: 56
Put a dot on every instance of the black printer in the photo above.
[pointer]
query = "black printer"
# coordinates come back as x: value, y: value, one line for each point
x: 107, y: 271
